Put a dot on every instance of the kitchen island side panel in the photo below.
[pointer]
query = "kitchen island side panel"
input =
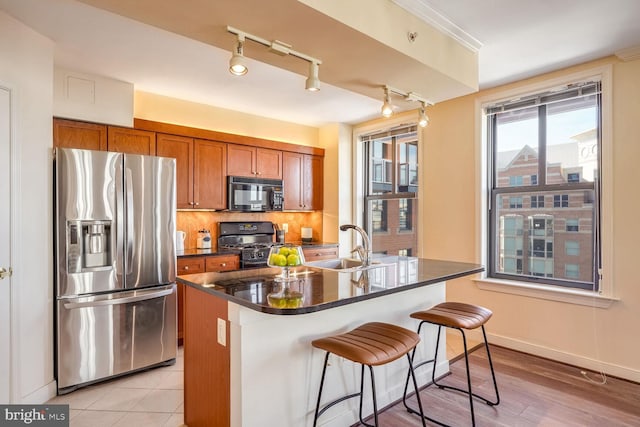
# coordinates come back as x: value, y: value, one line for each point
x: 275, y: 371
x: 206, y: 362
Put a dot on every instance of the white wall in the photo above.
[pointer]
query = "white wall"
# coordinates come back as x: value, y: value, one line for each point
x: 26, y: 67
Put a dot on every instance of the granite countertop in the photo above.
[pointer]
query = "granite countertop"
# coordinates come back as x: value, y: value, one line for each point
x: 203, y: 252
x: 321, y: 289
x: 214, y: 251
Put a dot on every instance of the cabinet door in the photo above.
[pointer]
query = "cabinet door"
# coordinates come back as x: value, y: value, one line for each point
x: 292, y: 180
x: 222, y: 263
x: 74, y: 134
x: 181, y: 149
x: 209, y: 175
x: 241, y: 160
x: 268, y: 163
x: 186, y: 265
x: 190, y: 265
x: 313, y: 189
x: 131, y: 141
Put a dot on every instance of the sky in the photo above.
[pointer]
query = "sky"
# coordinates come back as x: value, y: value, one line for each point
x: 515, y: 135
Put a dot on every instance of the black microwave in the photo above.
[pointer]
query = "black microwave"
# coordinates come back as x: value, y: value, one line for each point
x: 254, y: 194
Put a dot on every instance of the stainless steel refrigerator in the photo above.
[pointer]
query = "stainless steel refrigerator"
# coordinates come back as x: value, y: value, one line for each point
x: 115, y: 264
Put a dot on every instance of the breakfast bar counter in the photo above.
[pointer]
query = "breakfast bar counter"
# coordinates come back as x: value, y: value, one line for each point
x: 247, y: 344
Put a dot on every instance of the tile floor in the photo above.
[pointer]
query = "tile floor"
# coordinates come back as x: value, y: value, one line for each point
x: 152, y: 398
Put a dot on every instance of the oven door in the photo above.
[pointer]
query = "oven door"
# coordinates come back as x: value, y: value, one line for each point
x: 253, y: 264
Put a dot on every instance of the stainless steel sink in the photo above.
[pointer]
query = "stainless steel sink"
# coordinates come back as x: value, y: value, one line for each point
x: 342, y: 264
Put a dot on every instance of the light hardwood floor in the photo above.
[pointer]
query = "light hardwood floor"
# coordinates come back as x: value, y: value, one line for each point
x: 533, y: 392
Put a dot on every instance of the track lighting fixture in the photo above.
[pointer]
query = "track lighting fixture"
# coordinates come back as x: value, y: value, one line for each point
x: 313, y: 83
x: 423, y: 119
x: 387, y: 109
x: 238, y: 67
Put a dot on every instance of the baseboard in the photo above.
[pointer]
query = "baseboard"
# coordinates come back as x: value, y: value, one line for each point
x: 564, y: 357
x: 41, y: 395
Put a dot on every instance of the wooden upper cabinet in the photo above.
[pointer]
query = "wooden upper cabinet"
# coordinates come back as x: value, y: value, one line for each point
x: 131, y: 141
x: 181, y: 149
x: 292, y: 181
x: 210, y: 174
x: 74, y: 134
x: 303, y: 176
x: 313, y: 173
x: 244, y: 160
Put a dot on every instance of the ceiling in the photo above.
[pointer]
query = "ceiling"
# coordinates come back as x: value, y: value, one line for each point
x: 183, y: 52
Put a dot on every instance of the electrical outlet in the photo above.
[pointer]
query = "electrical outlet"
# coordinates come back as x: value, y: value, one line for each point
x: 222, y: 332
x: 285, y: 228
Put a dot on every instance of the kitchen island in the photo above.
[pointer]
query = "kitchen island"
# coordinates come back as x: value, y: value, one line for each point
x: 248, y: 354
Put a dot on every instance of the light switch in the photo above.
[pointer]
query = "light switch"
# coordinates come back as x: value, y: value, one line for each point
x: 222, y: 332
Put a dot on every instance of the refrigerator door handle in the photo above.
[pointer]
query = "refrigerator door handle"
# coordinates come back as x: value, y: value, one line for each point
x: 138, y: 296
x: 129, y: 225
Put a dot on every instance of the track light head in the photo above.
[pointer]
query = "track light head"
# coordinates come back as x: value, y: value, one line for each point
x: 387, y: 108
x: 313, y: 82
x: 237, y: 65
x: 423, y: 119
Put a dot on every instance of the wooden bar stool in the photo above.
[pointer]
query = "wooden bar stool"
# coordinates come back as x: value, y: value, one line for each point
x: 460, y: 316
x: 371, y: 344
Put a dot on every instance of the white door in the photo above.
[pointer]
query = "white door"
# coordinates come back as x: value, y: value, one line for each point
x: 5, y: 258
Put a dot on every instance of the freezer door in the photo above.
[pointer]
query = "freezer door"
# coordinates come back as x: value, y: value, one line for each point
x: 110, y: 334
x: 150, y: 212
x: 87, y: 201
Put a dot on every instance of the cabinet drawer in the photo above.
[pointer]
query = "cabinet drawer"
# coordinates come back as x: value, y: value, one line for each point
x: 222, y: 263
x: 315, y: 254
x: 190, y: 265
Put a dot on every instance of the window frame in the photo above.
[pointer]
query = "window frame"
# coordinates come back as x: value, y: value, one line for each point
x: 605, y: 295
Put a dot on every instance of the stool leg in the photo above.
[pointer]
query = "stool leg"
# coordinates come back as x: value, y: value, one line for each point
x: 415, y: 386
x: 324, y: 371
x: 493, y: 375
x: 373, y: 392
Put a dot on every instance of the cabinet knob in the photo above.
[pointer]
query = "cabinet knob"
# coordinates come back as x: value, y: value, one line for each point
x: 186, y: 267
x: 258, y: 173
x: 197, y: 204
x: 191, y: 203
x: 223, y: 264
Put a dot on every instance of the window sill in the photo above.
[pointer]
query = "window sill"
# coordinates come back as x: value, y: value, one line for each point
x: 552, y: 293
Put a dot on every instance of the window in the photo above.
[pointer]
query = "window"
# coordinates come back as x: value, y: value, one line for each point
x: 378, y: 216
x: 572, y: 225
x: 515, y: 181
x: 537, y: 201
x: 561, y: 201
x: 391, y: 185
x: 572, y: 248
x: 572, y: 271
x: 515, y: 202
x: 541, y: 137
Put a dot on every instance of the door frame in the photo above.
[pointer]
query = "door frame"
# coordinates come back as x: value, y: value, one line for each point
x: 14, y: 373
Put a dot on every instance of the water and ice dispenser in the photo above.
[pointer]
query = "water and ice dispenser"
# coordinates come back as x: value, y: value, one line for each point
x: 88, y: 245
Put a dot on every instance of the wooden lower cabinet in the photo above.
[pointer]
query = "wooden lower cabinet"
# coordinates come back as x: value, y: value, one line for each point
x: 207, y: 363
x: 321, y: 252
x: 200, y: 264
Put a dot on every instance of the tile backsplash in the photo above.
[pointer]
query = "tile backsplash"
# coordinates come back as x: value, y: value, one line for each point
x: 192, y: 221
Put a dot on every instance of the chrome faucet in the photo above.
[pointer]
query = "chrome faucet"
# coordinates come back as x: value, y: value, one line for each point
x: 364, y: 251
